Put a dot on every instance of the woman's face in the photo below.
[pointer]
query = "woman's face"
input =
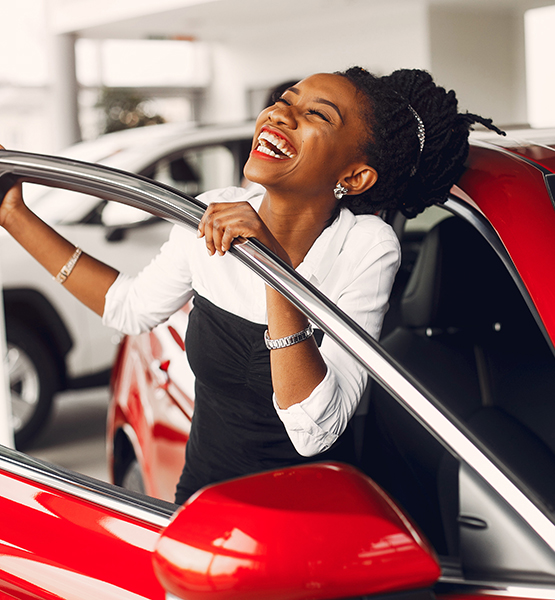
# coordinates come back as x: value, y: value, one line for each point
x: 309, y: 139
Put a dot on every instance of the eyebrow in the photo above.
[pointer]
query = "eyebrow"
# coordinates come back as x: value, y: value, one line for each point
x: 320, y: 101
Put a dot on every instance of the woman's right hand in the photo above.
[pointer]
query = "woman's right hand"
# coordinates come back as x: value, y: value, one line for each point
x: 89, y: 280
x: 13, y: 199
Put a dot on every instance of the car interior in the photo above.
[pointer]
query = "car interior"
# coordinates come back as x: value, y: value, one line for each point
x: 459, y: 324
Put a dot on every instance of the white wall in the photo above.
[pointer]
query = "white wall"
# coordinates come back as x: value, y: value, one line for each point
x: 478, y: 52
x: 382, y: 37
x: 25, y: 120
x: 540, y: 67
x: 378, y: 36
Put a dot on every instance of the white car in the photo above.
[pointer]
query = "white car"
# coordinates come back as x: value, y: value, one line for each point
x: 54, y: 342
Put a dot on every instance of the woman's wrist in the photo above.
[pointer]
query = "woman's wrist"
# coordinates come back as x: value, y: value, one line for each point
x: 16, y: 218
x: 283, y: 318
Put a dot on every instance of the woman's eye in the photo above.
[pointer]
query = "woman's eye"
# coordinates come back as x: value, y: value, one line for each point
x: 284, y: 101
x: 319, y: 114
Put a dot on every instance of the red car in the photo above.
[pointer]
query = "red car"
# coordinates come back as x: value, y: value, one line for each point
x: 457, y: 427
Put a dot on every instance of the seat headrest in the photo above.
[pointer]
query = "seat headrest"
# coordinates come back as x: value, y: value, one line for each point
x: 458, y: 282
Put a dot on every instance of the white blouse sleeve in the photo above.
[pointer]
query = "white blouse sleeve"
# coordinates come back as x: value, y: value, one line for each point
x: 314, y: 424
x: 137, y: 304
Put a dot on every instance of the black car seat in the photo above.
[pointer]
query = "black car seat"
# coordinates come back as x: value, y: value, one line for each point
x: 467, y: 335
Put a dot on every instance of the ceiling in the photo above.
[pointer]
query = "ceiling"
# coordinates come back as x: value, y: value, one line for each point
x: 221, y: 20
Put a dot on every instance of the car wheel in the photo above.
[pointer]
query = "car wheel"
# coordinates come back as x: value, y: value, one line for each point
x: 133, y: 478
x: 33, y: 381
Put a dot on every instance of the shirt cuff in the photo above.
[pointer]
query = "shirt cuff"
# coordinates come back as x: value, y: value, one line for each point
x: 113, y: 298
x: 306, y: 435
x: 114, y: 316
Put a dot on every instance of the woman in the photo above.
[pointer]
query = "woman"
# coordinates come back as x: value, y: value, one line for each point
x: 333, y: 150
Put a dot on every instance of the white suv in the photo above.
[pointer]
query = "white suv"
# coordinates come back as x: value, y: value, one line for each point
x: 54, y: 342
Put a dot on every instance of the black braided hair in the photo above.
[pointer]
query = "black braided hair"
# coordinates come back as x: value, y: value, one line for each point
x: 407, y: 178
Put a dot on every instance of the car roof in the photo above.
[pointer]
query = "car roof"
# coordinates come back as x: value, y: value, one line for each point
x: 510, y: 181
x: 536, y: 145
x: 135, y: 149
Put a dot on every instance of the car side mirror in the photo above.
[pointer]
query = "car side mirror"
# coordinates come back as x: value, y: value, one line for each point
x: 315, y: 531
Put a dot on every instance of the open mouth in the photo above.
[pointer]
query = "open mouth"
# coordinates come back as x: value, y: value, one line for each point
x: 273, y: 145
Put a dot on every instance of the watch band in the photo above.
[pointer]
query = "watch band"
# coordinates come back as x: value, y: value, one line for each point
x: 289, y: 340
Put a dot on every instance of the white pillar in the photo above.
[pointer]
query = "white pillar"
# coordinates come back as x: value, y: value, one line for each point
x: 224, y: 100
x: 64, y: 96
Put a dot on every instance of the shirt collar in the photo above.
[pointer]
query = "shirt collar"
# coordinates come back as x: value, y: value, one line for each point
x: 325, y: 250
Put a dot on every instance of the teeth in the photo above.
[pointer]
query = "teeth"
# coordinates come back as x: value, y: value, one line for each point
x: 266, y: 150
x: 276, y: 141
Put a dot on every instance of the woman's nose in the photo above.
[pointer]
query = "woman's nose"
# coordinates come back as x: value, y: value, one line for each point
x: 283, y: 113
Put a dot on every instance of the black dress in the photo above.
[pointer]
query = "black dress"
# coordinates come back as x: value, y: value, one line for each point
x: 235, y: 429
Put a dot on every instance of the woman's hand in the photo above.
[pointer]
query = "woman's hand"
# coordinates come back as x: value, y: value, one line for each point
x: 298, y: 369
x: 226, y: 223
x: 13, y: 199
x: 89, y: 280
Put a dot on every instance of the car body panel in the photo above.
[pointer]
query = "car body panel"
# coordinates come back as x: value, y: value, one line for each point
x: 38, y: 558
x: 155, y: 388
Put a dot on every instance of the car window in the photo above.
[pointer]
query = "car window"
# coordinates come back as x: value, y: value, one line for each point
x: 198, y: 170
x: 462, y: 328
x: 57, y: 206
x: 194, y: 171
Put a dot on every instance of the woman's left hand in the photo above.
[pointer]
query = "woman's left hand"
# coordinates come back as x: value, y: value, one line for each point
x: 298, y: 369
x: 226, y: 223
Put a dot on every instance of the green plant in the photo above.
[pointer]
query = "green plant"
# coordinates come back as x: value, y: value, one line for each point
x: 126, y: 109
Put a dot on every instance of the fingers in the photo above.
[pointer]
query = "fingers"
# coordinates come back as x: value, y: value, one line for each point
x: 224, y: 224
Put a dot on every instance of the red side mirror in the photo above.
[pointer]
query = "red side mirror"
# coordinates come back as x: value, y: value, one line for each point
x: 316, y: 531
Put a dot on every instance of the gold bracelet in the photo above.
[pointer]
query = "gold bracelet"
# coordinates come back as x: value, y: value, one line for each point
x: 66, y: 270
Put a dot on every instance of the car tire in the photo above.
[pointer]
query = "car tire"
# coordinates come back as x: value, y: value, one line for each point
x: 133, y: 478
x: 33, y: 380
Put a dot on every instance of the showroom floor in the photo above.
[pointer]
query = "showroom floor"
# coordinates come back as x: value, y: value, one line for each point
x: 75, y: 435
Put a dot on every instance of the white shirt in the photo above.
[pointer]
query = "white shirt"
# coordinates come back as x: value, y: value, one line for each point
x: 353, y: 262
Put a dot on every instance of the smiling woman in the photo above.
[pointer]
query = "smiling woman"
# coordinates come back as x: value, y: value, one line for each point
x: 333, y: 150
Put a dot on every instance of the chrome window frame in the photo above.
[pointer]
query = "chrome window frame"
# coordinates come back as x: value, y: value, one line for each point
x: 174, y: 206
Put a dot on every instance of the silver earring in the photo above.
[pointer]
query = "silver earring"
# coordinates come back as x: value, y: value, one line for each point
x: 339, y: 191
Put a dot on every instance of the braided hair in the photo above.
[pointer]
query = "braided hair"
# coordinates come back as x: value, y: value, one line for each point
x: 410, y: 178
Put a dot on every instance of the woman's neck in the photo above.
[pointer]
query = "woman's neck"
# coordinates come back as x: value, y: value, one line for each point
x: 295, y: 224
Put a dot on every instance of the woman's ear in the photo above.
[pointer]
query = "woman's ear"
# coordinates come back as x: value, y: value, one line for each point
x: 361, y: 178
